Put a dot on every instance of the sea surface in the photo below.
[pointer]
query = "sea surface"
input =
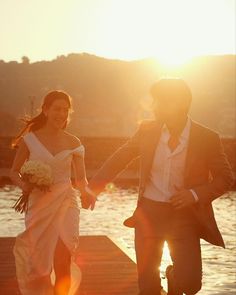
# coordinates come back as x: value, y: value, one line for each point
x: 219, y: 265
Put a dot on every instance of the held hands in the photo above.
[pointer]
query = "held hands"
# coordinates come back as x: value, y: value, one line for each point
x: 88, y: 198
x: 182, y: 199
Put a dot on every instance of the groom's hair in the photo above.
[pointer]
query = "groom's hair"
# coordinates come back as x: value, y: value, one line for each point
x: 172, y: 88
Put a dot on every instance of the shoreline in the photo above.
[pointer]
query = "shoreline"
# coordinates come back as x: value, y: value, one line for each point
x: 98, y: 150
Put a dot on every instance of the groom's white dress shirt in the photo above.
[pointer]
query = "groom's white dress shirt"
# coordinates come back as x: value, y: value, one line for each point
x: 167, y: 172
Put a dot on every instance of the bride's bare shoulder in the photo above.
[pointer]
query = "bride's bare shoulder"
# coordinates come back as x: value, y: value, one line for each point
x: 73, y: 140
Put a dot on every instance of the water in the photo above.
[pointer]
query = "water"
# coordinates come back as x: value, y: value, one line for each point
x: 219, y: 265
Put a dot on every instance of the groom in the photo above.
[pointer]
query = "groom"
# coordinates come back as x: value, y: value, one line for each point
x: 183, y: 168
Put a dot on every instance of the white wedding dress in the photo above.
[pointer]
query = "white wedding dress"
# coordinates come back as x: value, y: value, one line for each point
x: 50, y: 216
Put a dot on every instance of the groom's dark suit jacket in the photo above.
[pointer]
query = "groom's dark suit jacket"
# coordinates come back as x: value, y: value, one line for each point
x: 207, y: 170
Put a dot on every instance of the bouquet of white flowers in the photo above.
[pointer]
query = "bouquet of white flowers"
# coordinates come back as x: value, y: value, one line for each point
x: 38, y: 175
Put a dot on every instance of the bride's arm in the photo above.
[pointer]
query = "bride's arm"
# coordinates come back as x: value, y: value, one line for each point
x: 88, y: 198
x: 21, y: 156
x: 79, y: 172
x: 78, y: 165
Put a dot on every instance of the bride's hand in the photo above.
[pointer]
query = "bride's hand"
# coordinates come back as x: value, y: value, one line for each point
x: 26, y: 188
x: 92, y: 197
x: 93, y: 201
x: 88, y: 199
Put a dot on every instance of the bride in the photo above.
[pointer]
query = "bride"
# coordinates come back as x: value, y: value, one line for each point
x: 50, y: 240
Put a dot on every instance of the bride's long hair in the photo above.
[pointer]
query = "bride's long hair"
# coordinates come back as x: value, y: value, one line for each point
x: 40, y: 120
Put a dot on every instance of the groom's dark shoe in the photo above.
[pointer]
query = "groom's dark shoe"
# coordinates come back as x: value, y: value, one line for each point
x: 170, y: 286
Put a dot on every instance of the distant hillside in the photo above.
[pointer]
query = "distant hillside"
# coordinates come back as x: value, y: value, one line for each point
x: 111, y: 96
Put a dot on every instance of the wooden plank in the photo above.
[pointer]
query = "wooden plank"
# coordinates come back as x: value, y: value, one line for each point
x: 106, y: 269
x: 8, y: 284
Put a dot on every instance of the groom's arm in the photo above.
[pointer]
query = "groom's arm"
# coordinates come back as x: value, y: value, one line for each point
x: 221, y: 172
x: 116, y: 163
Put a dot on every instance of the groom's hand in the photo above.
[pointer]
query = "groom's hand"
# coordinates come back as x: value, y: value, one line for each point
x: 85, y: 202
x: 182, y: 199
x: 88, y: 201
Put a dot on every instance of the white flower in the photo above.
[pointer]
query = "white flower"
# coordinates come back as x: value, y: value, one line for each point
x: 37, y: 173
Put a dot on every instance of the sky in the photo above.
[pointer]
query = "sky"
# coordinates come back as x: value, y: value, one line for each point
x: 170, y: 30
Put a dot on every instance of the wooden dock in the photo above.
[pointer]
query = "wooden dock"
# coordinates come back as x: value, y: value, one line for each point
x: 106, y: 269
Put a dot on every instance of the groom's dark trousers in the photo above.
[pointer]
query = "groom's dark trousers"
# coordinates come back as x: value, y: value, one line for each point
x: 207, y: 172
x: 158, y: 222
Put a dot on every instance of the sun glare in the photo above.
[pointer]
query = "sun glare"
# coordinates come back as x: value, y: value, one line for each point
x: 171, y: 31
x: 172, y: 60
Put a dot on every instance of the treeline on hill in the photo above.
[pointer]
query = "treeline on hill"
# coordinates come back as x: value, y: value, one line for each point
x: 111, y: 96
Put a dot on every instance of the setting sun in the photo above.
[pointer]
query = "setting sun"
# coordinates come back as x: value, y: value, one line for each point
x: 171, y: 31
